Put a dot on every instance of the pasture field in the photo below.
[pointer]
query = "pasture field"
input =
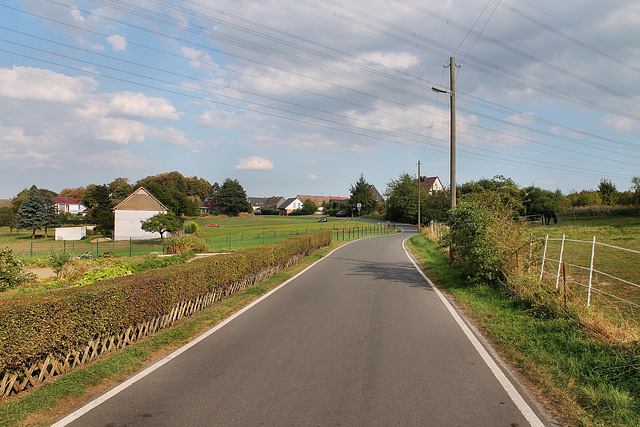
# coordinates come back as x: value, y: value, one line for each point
x: 231, y: 233
x: 611, y: 233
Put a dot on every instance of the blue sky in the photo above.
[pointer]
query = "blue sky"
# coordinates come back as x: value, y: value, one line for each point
x: 301, y: 97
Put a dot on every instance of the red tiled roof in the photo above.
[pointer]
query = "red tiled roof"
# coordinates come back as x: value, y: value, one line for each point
x: 65, y: 201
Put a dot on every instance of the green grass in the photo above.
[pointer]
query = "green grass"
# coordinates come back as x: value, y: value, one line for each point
x: 612, y: 230
x: 585, y: 380
x: 52, y: 400
x: 232, y: 233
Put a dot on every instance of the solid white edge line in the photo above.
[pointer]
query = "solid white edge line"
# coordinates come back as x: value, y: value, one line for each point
x: 515, y: 396
x: 137, y: 377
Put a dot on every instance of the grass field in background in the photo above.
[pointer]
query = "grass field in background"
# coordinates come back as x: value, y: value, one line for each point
x: 232, y: 233
x: 623, y: 232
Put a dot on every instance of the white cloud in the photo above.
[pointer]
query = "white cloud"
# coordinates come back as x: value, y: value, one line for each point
x: 620, y: 123
x: 254, y: 163
x: 199, y: 58
x: 117, y: 42
x: 400, y: 60
x: 43, y: 85
x: 312, y: 176
x: 139, y: 105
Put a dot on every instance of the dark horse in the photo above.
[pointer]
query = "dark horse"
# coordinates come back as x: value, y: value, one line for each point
x: 547, y: 215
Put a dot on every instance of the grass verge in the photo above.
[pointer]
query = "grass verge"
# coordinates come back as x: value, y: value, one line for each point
x: 585, y: 379
x: 45, y: 404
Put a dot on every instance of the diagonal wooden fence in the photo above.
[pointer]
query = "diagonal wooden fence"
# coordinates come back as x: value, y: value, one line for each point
x: 14, y: 382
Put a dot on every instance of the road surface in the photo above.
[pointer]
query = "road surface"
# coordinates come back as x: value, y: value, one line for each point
x: 358, y: 339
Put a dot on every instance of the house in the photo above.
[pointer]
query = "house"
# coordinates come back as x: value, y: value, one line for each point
x: 65, y: 205
x: 290, y: 205
x: 376, y: 194
x: 132, y: 211
x: 431, y: 184
x: 204, y: 205
x: 259, y: 203
x: 318, y: 200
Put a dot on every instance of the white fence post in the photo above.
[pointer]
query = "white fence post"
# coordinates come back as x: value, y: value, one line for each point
x: 593, y: 252
x: 544, y: 254
x: 560, y: 262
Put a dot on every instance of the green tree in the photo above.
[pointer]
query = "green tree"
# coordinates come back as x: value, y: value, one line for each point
x: 402, y: 199
x: 162, y: 223
x: 8, y: 218
x: 97, y: 199
x: 607, y: 191
x: 120, y: 188
x: 199, y: 187
x: 361, y: 193
x: 37, y: 212
x: 434, y: 207
x: 636, y: 188
x: 231, y: 198
x: 536, y: 200
x: 309, y: 207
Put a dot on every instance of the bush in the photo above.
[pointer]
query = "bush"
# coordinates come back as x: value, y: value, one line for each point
x: 269, y: 212
x: 192, y: 228
x: 12, y: 271
x: 183, y: 244
x: 483, y: 238
x: 33, y: 326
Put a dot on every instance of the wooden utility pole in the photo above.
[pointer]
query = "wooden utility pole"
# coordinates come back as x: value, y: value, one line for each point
x: 452, y: 160
x: 419, y: 196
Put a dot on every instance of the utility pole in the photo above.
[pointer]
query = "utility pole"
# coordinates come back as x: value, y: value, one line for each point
x: 452, y: 93
x: 419, y: 196
x: 452, y: 161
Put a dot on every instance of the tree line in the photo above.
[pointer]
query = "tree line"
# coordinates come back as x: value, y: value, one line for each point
x: 33, y: 209
x: 402, y: 198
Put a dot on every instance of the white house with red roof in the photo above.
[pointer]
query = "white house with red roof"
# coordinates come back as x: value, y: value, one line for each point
x: 68, y: 205
x: 431, y: 184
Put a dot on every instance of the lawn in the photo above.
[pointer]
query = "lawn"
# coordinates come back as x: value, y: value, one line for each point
x: 611, y: 233
x: 233, y: 233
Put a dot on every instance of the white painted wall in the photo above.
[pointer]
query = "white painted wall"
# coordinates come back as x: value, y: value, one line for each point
x: 128, y: 225
x: 70, y: 233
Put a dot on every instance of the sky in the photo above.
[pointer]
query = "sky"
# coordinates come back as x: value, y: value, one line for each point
x: 304, y: 96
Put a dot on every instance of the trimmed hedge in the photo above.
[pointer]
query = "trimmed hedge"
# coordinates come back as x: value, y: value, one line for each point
x: 33, y: 326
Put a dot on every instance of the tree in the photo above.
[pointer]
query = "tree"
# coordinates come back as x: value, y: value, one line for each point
x: 37, y: 212
x: 309, y: 207
x: 361, y: 193
x: 636, y: 188
x: 8, y: 218
x: 607, y: 191
x: 162, y: 223
x: 96, y: 198
x: 231, y: 198
x: 74, y: 193
x: 402, y: 199
x: 120, y: 188
x: 199, y: 187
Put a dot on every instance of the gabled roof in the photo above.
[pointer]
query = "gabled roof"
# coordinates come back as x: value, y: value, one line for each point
x: 376, y: 194
x: 287, y: 203
x: 141, y: 200
x: 428, y: 182
x: 318, y: 200
x: 65, y: 201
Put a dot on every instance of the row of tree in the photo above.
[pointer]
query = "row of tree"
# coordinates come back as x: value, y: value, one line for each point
x: 34, y: 209
x: 402, y: 198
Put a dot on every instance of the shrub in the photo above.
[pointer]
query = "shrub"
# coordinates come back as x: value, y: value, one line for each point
x: 192, y: 228
x: 99, y: 274
x: 12, y: 271
x: 183, y: 244
x: 33, y: 326
x: 484, y: 238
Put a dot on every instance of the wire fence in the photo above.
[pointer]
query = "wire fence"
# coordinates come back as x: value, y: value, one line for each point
x: 604, y: 273
x: 221, y: 243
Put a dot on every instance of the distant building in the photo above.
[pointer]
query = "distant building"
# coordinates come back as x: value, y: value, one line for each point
x: 68, y: 205
x: 431, y: 184
x: 260, y: 203
x: 130, y: 212
x: 290, y: 205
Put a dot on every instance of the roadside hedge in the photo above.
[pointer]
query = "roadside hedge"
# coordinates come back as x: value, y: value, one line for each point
x: 34, y: 326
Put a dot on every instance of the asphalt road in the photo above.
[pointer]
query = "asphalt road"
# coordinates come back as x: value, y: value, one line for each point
x: 360, y: 338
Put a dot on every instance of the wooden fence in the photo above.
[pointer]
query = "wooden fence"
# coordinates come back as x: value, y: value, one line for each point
x: 14, y: 382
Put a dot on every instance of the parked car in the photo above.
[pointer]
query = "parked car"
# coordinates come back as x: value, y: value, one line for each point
x: 341, y: 213
x: 322, y: 219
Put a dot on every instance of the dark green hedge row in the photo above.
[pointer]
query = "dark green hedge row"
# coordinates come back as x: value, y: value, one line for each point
x: 33, y: 326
